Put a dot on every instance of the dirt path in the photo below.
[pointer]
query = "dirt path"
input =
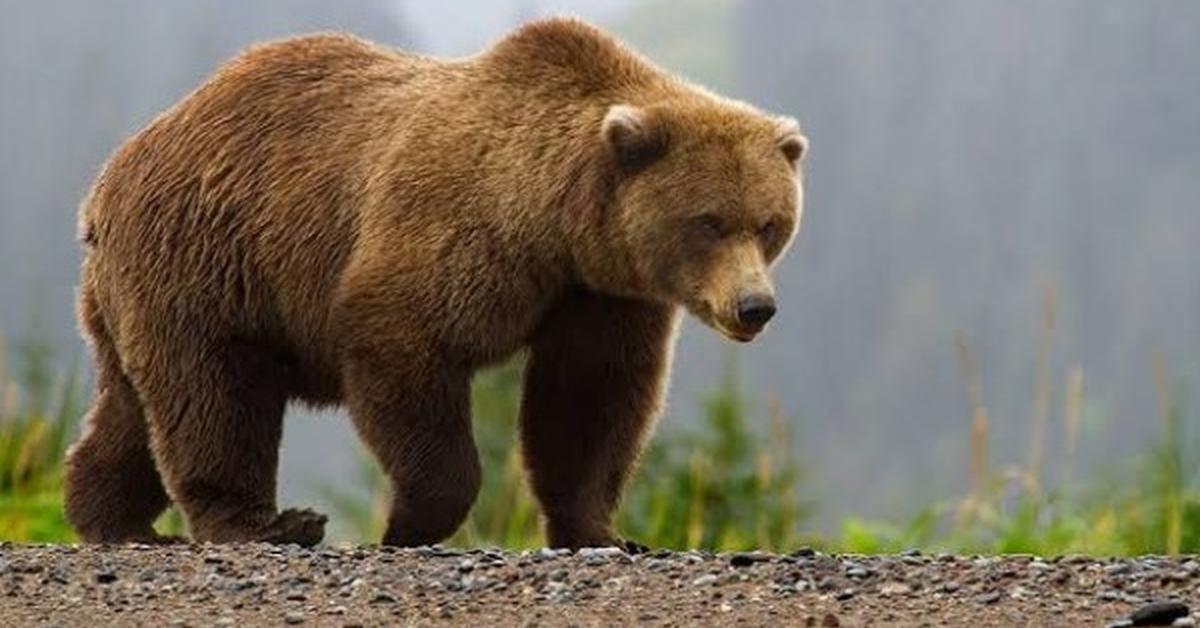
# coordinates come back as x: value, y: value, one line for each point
x: 266, y: 585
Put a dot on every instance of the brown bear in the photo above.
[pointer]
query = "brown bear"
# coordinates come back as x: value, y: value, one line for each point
x: 332, y: 221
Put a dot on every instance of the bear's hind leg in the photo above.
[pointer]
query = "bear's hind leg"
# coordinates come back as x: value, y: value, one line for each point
x: 216, y: 418
x: 113, y: 492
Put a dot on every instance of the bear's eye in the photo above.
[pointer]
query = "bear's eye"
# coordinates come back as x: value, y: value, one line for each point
x: 710, y: 226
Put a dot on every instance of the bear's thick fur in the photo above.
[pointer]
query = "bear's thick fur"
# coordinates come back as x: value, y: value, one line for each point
x: 332, y: 221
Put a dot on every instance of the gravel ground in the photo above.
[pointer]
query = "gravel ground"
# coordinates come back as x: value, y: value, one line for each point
x: 224, y: 585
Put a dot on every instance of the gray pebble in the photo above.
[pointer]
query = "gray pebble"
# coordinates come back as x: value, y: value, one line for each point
x: 989, y: 598
x: 1117, y: 569
x: 383, y: 597
x: 857, y: 572
x: 705, y: 580
x: 1159, y: 613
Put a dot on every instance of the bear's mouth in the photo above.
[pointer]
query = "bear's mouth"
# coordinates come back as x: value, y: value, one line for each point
x: 731, y: 330
x: 733, y: 333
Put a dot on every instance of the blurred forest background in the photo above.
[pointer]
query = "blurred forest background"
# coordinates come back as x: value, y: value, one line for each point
x: 990, y: 316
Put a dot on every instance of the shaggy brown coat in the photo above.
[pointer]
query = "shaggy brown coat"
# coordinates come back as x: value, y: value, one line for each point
x: 332, y: 221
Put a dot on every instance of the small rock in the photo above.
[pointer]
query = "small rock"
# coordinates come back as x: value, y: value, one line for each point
x: 106, y: 577
x: 383, y: 597
x: 1117, y: 569
x: 746, y: 559
x: 294, y: 617
x: 830, y: 621
x: 1159, y: 613
x: 607, y: 552
x: 1020, y: 593
x: 989, y: 598
x: 705, y: 580
x: 1184, y: 621
x: 594, y: 556
x: 1178, y: 575
x: 1040, y: 566
x: 857, y: 572
x: 845, y: 594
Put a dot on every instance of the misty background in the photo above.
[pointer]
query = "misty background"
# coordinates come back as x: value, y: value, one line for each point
x: 967, y: 157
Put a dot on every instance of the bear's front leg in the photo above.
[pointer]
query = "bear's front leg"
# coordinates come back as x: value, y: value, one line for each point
x: 594, y: 386
x: 414, y: 415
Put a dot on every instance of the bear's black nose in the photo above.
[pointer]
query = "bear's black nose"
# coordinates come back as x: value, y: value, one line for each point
x: 755, y: 310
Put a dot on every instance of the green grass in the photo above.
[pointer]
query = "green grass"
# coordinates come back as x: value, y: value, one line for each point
x: 721, y: 485
x: 727, y: 481
x: 709, y: 487
x: 38, y: 415
x: 1151, y: 506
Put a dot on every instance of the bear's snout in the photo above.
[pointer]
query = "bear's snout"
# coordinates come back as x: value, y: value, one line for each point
x: 754, y: 310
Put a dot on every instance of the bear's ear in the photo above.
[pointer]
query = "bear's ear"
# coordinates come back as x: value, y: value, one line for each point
x: 635, y: 136
x: 789, y: 139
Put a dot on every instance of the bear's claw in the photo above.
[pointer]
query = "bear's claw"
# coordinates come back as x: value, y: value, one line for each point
x: 301, y: 526
x: 632, y: 547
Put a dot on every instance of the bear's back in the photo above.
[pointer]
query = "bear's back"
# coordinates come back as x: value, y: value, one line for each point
x: 244, y: 195
x: 292, y: 95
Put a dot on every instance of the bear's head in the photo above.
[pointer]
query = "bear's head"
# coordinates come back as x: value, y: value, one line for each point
x: 707, y: 197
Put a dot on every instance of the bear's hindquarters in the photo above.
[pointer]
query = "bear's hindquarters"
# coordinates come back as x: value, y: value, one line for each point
x: 113, y: 490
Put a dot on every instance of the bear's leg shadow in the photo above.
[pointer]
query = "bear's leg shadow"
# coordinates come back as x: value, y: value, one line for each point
x: 113, y: 492
x: 416, y: 418
x: 216, y: 419
x: 594, y: 386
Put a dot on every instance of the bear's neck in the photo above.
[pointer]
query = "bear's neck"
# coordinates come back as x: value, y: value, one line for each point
x: 580, y: 209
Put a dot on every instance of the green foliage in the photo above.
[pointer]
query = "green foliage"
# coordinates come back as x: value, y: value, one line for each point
x: 863, y: 537
x: 713, y: 487
x: 38, y: 414
x: 718, y: 487
x: 1152, y: 508
x: 722, y: 483
x: 34, y: 518
x: 505, y: 513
